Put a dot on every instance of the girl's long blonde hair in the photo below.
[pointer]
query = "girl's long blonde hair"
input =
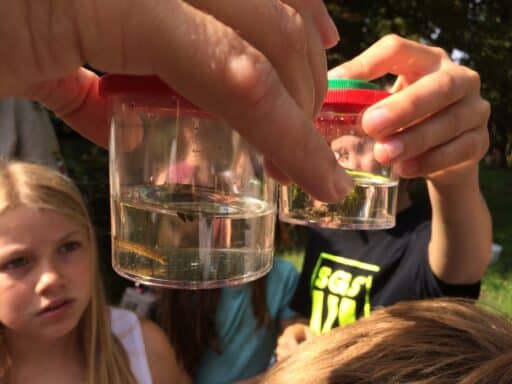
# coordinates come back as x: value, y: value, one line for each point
x: 35, y: 186
x: 440, y: 341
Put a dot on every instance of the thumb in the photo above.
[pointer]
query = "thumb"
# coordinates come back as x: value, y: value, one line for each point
x: 391, y: 54
x: 76, y: 100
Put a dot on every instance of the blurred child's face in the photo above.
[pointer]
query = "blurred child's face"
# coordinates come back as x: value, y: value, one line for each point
x: 45, y: 272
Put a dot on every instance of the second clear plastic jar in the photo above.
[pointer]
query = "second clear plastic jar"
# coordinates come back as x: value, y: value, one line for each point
x: 191, y: 205
x: 372, y: 203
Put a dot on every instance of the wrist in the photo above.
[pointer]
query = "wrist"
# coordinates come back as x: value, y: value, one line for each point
x: 455, y: 182
x: 449, y: 197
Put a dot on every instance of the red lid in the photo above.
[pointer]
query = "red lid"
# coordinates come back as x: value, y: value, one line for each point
x: 352, y: 100
x: 143, y: 91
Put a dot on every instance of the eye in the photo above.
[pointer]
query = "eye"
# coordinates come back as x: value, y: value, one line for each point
x: 15, y: 264
x: 342, y: 154
x: 69, y: 247
x: 360, y: 147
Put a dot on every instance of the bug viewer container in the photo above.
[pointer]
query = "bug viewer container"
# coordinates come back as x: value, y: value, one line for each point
x: 372, y: 203
x: 191, y: 205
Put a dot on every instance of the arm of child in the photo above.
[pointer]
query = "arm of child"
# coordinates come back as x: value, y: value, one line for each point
x: 161, y: 357
x: 461, y: 241
x: 434, y: 126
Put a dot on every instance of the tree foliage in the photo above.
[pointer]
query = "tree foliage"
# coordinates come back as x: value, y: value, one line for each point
x: 480, y: 29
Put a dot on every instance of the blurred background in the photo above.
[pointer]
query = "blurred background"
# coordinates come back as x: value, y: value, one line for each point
x: 477, y: 33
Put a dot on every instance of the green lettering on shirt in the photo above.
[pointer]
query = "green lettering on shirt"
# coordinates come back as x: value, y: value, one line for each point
x: 337, y: 289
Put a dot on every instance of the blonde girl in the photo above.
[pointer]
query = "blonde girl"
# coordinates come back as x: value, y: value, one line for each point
x: 55, y: 325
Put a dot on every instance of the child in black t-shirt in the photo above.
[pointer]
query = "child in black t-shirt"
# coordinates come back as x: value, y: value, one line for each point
x: 434, y: 127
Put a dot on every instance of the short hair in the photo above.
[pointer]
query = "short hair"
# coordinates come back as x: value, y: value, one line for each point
x: 441, y: 341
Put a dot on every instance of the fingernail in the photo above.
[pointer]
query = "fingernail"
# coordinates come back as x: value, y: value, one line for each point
x: 393, y: 148
x: 331, y: 35
x: 343, y: 183
x: 375, y: 121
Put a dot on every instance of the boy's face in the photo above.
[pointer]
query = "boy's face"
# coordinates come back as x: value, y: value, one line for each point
x: 45, y: 272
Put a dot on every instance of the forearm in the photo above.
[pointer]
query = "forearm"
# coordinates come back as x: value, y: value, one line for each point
x: 460, y: 245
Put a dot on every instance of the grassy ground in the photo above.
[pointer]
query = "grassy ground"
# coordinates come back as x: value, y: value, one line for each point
x: 497, y: 282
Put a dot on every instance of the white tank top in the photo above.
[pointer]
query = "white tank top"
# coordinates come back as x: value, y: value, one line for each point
x: 126, y: 326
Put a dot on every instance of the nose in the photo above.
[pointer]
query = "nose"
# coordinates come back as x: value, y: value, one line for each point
x: 50, y: 278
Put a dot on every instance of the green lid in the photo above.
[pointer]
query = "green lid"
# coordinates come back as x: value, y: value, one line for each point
x: 351, y: 84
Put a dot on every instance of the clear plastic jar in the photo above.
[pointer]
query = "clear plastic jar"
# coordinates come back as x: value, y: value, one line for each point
x: 191, y: 205
x: 372, y: 203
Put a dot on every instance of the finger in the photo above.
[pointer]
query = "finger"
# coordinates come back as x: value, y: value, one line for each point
x: 316, y: 53
x: 324, y: 24
x: 291, y: 345
x: 282, y: 353
x: 285, y: 347
x: 470, y: 147
x: 426, y: 96
x: 466, y: 115
x: 254, y: 101
x: 391, y: 54
x: 220, y: 72
x: 288, y: 53
x: 75, y: 99
x: 308, y: 334
x: 274, y: 172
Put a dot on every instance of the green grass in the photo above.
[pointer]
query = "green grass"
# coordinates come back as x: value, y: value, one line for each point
x: 497, y: 282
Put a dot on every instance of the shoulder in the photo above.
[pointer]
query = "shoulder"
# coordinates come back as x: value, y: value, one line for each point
x: 155, y: 340
x: 283, y: 266
x: 161, y: 356
x: 281, y: 284
x: 282, y: 271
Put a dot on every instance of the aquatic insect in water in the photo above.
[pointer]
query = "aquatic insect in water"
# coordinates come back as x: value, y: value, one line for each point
x: 139, y: 249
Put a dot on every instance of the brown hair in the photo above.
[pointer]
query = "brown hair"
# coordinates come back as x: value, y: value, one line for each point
x: 189, y: 320
x: 36, y: 186
x: 441, y: 341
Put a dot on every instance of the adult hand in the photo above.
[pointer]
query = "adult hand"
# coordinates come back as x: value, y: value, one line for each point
x: 435, y: 123
x: 292, y: 336
x: 258, y: 64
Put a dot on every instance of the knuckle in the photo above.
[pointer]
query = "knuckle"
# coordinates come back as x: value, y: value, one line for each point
x: 301, y: 6
x: 474, y: 78
x: 393, y: 42
x: 486, y: 110
x: 440, y: 52
x: 250, y: 78
x: 447, y: 84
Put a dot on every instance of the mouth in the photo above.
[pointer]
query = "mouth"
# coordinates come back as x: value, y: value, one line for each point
x: 54, y: 307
